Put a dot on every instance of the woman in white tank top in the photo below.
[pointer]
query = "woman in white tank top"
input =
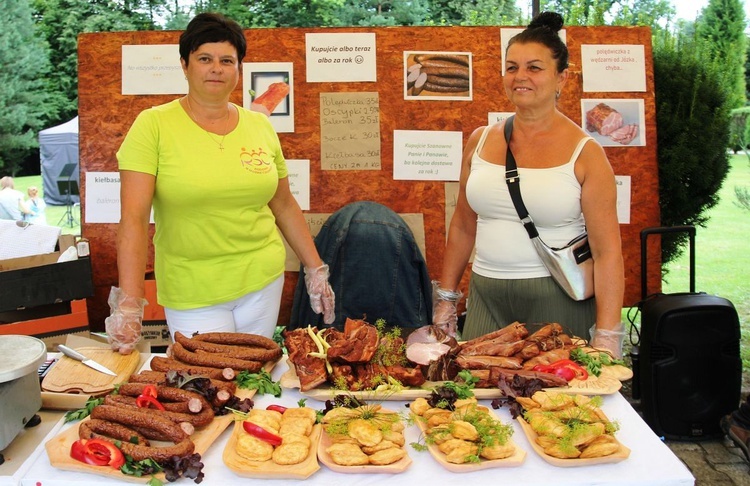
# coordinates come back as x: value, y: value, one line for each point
x: 567, y: 184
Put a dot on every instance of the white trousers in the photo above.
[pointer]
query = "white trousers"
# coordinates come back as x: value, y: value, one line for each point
x: 254, y: 313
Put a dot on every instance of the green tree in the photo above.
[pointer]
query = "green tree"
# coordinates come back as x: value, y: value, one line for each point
x: 60, y: 22
x: 276, y: 13
x: 382, y: 13
x: 490, y: 12
x: 25, y: 103
x: 693, y: 118
x: 722, y: 27
x: 649, y: 13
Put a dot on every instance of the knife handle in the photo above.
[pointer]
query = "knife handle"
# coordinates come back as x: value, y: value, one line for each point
x: 72, y: 353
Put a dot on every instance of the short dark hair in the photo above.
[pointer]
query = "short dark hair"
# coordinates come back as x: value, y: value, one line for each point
x: 212, y: 27
x: 544, y: 29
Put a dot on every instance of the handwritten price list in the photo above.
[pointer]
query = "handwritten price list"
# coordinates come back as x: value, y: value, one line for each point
x: 350, y: 131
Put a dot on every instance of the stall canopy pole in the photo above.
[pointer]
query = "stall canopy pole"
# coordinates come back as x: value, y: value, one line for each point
x: 534, y: 8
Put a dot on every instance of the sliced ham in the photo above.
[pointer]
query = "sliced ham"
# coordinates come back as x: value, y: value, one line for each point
x: 625, y: 134
x: 603, y: 119
x: 424, y: 353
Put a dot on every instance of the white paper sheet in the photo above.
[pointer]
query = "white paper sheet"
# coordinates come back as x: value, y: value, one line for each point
x: 22, y: 239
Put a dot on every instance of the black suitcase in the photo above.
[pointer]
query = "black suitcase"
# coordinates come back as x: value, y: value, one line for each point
x: 688, y: 370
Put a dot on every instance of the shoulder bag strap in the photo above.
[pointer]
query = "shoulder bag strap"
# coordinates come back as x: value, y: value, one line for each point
x: 513, y: 181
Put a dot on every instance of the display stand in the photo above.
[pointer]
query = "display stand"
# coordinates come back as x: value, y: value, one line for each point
x: 68, y: 187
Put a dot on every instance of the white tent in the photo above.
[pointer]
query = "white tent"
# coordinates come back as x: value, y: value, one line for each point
x: 58, y: 150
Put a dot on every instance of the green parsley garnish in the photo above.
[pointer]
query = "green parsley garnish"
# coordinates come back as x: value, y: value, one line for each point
x: 84, y: 412
x: 261, y: 381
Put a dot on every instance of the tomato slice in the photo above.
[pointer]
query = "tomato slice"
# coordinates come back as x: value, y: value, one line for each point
x: 261, y: 433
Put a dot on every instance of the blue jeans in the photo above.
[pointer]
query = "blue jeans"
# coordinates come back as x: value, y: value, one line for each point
x: 377, y: 270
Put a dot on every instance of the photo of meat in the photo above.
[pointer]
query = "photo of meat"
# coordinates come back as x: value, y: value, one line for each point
x: 614, y: 127
x: 270, y: 99
x: 437, y: 75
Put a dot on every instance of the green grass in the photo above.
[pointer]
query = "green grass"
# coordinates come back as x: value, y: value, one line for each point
x: 722, y: 258
x: 55, y: 214
x: 722, y: 254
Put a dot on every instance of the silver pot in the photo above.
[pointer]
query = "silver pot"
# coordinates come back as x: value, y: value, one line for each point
x: 20, y: 394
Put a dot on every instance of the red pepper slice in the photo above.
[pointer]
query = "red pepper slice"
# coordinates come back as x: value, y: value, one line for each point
x: 145, y: 401
x: 97, y: 452
x: 105, y: 450
x: 564, y: 368
x: 78, y: 450
x: 581, y: 373
x: 276, y: 408
x: 261, y: 433
x: 564, y: 372
x: 150, y: 390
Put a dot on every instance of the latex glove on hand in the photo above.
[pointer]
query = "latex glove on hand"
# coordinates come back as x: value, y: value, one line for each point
x: 608, y: 339
x: 123, y: 326
x: 322, y: 298
x: 445, y: 309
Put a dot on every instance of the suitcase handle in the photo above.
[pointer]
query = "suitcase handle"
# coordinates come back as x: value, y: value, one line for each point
x: 689, y: 229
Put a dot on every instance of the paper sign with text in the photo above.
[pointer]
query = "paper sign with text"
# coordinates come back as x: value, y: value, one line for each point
x: 350, y: 131
x: 613, y: 67
x: 102, y: 197
x: 623, y: 199
x: 427, y: 155
x: 340, y: 57
x: 299, y: 181
x: 152, y: 69
x: 498, y: 116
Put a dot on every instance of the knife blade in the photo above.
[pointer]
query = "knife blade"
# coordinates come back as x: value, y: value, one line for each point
x: 72, y: 353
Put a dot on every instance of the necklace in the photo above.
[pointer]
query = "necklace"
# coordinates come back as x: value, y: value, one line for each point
x: 220, y: 143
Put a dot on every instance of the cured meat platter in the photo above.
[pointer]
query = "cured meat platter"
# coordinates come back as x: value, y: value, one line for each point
x: 606, y: 384
x: 58, y: 448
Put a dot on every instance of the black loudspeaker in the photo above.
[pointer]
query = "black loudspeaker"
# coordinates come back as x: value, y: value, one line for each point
x: 689, y: 368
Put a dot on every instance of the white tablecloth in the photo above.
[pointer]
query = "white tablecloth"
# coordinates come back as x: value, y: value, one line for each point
x: 651, y: 463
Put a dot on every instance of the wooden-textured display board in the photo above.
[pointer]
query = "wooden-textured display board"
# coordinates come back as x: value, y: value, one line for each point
x: 106, y: 115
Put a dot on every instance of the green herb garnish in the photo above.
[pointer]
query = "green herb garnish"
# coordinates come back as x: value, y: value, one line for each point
x: 593, y: 361
x: 84, y: 412
x: 261, y: 381
x: 141, y: 468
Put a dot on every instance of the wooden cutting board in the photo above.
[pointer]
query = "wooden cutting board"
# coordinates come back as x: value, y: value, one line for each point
x: 72, y: 376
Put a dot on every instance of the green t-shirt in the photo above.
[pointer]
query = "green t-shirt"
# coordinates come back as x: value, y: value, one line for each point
x: 216, y: 238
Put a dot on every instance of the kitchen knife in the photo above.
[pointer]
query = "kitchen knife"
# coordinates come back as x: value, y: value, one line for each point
x: 72, y: 353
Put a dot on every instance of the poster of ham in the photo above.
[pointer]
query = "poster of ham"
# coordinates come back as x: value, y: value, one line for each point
x: 614, y: 122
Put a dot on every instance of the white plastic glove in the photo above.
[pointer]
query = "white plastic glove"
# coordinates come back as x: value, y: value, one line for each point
x: 123, y: 326
x: 608, y: 339
x: 322, y: 298
x: 445, y: 308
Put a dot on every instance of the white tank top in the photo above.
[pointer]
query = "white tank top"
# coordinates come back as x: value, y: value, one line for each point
x: 553, y: 199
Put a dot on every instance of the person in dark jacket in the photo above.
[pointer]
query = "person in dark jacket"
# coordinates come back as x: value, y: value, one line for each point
x: 376, y: 270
